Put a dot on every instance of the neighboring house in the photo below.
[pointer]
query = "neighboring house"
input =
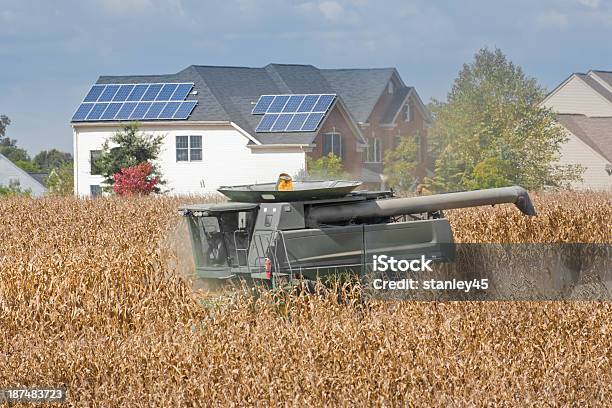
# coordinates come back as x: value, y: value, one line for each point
x: 584, y: 106
x: 587, y: 94
x: 12, y: 175
x: 590, y: 145
x: 217, y: 131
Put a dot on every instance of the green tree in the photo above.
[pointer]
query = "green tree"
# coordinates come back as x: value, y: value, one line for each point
x: 4, y: 122
x: 61, y: 180
x: 8, y: 146
x: 47, y: 160
x: 492, y: 132
x: 28, y: 166
x: 324, y: 168
x: 126, y: 148
x: 400, y: 164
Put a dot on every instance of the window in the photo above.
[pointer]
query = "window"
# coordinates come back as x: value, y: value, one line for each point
x: 390, y: 87
x: 95, y: 190
x: 195, y: 148
x: 332, y: 143
x: 374, y: 151
x: 407, y: 114
x: 93, y: 156
x: 188, y: 148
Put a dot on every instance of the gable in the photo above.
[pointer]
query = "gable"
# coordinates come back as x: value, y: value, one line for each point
x: 575, y: 96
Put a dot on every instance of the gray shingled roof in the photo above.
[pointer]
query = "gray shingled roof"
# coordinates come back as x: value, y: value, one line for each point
x: 360, y: 88
x: 229, y: 93
x: 605, y: 75
x: 599, y: 88
x: 595, y: 132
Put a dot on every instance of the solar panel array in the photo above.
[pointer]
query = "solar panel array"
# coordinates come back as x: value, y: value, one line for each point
x: 159, y: 101
x: 292, y: 113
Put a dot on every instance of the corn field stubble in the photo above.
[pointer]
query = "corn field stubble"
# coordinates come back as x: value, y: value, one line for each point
x: 92, y: 298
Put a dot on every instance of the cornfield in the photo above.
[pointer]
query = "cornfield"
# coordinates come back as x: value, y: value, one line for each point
x: 93, y: 298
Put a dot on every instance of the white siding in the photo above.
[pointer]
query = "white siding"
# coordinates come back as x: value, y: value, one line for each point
x: 595, y: 177
x: 9, y: 172
x: 226, y: 159
x: 577, y: 97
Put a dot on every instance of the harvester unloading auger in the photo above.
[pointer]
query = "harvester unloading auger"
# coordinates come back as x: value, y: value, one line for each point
x: 321, y: 227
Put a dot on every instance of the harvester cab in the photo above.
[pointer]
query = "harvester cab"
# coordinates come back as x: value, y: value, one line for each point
x: 318, y: 228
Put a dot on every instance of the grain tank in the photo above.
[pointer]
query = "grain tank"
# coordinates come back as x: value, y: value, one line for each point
x: 324, y: 227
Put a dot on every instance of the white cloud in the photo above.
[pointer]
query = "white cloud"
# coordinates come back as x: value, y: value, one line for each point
x: 331, y: 10
x: 174, y: 7
x: 552, y: 19
x: 589, y: 3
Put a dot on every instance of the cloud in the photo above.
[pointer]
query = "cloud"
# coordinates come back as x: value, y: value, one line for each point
x: 589, y: 3
x: 142, y: 6
x: 552, y: 19
x: 331, y: 10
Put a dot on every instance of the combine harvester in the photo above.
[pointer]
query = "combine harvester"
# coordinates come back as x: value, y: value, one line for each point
x: 308, y: 230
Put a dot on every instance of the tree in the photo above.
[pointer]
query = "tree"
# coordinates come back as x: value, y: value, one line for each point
x: 4, y: 122
x: 60, y: 180
x: 28, y: 166
x: 13, y: 191
x: 492, y: 132
x: 135, y: 180
x: 47, y: 160
x: 400, y: 164
x: 8, y: 146
x: 324, y: 168
x: 130, y: 147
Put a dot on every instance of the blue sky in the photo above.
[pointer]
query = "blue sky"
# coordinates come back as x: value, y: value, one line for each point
x: 52, y: 51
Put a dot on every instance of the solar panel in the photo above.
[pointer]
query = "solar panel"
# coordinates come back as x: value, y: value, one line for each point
x: 181, y: 92
x: 152, y: 92
x: 281, y: 123
x: 309, y: 103
x: 278, y: 104
x: 137, y: 92
x: 185, y: 110
x: 156, y: 101
x: 169, y: 110
x: 125, y: 111
x: 94, y: 93
x: 97, y: 111
x: 82, y: 111
x: 312, y: 123
x: 155, y: 110
x: 166, y: 92
x: 123, y: 92
x: 266, y: 122
x: 323, y: 103
x: 140, y: 111
x: 263, y: 104
x: 298, y: 113
x: 294, y: 102
x: 296, y: 122
x: 111, y: 111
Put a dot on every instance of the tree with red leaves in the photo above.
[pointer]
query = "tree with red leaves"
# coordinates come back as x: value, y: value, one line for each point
x: 135, y: 180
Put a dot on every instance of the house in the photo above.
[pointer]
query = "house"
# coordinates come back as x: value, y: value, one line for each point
x: 587, y: 94
x: 239, y: 125
x: 12, y: 175
x: 589, y: 145
x: 583, y: 103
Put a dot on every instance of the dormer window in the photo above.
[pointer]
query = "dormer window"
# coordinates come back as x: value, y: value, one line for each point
x: 390, y: 87
x: 406, y: 112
